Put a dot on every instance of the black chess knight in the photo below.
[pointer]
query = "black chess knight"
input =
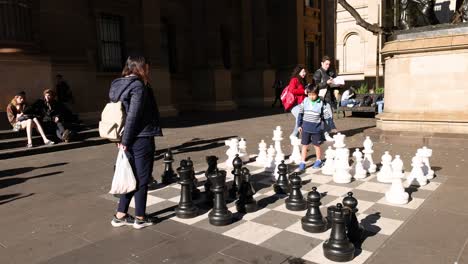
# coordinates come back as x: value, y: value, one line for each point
x: 246, y: 202
x: 186, y: 207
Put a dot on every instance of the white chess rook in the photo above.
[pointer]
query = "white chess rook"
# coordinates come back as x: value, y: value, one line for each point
x: 397, y: 194
x: 359, y: 171
x: 385, y: 174
x: 329, y: 165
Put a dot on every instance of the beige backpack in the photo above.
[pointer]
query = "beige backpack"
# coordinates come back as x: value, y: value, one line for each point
x: 112, y: 121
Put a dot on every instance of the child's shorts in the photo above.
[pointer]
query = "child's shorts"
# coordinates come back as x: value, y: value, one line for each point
x: 314, y: 138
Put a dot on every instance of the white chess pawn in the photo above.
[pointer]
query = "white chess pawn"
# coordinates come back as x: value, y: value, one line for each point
x: 296, y: 152
x: 359, y: 171
x: 397, y: 167
x: 339, y: 140
x: 243, y: 150
x: 397, y: 194
x: 262, y: 154
x: 426, y: 153
x: 385, y: 174
x: 416, y: 176
x: 329, y: 167
x: 232, y: 151
x: 341, y: 174
x: 270, y: 164
x: 368, y: 160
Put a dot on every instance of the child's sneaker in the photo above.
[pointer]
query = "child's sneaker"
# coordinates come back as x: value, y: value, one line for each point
x: 302, y: 167
x: 126, y: 220
x: 147, y: 221
x: 317, y: 164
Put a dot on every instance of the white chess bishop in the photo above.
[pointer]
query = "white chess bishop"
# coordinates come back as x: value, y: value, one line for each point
x: 425, y: 153
x: 270, y: 164
x: 368, y: 160
x: 262, y: 154
x: 329, y: 165
x: 416, y: 176
x: 232, y: 151
x: 341, y: 174
x: 277, y: 138
x: 296, y: 152
x: 397, y: 194
x: 397, y: 167
x: 243, y: 155
x: 385, y: 174
x: 359, y: 171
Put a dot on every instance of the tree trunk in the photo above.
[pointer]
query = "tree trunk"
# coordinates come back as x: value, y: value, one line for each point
x: 360, y: 21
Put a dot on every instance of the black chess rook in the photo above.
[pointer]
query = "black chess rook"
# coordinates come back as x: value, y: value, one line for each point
x: 237, y: 172
x: 186, y: 207
x: 282, y: 184
x: 168, y: 175
x: 246, y: 202
x: 355, y: 231
x: 193, y: 187
x: 295, y: 201
x: 313, y: 221
x: 219, y: 215
x: 337, y: 247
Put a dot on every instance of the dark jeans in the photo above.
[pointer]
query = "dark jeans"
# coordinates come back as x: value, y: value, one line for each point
x: 141, y: 157
x: 57, y: 128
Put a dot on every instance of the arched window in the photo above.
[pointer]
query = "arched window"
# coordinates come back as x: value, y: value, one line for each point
x: 16, y: 21
x: 353, y: 59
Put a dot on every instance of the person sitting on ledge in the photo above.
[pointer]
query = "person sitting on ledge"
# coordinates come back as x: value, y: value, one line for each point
x: 53, y: 115
x: 20, y: 121
x: 347, y: 97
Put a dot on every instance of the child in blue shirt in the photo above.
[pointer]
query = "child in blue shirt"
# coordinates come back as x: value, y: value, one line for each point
x: 310, y: 125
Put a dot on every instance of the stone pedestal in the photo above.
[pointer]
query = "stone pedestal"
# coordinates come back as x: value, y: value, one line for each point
x: 418, y: 63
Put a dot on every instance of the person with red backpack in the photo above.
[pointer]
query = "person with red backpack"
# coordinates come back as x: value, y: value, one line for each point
x: 297, y: 88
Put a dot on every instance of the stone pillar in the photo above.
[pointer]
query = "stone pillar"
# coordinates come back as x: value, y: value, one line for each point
x: 161, y: 81
x: 258, y: 77
x: 425, y: 81
x: 212, y: 83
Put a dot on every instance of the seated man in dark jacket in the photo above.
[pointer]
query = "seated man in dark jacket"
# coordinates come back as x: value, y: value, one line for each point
x: 53, y: 115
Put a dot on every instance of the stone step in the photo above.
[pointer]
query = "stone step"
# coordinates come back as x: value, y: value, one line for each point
x: 9, y: 133
x: 23, y: 151
x: 21, y: 140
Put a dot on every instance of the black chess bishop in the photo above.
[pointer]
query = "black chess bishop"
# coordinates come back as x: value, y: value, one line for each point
x: 295, y: 201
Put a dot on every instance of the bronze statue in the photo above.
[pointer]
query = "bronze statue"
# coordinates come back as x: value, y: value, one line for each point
x: 461, y: 13
x: 417, y: 13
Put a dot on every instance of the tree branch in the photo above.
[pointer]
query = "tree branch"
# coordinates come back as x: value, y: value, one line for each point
x: 374, y: 28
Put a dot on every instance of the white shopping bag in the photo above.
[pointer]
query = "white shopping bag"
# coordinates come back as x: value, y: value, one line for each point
x: 124, y: 180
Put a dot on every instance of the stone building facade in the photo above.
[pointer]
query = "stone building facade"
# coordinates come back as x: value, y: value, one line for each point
x: 205, y: 54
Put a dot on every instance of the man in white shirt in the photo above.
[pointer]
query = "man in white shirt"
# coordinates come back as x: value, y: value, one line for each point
x: 346, y: 98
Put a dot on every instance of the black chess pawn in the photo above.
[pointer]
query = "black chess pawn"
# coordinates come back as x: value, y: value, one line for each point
x: 246, y: 202
x: 313, y: 220
x: 295, y: 201
x: 168, y: 176
x: 186, y: 207
x: 337, y: 247
x: 219, y: 215
x: 355, y: 231
x: 194, y: 189
x: 237, y: 172
x: 212, y: 167
x: 282, y: 184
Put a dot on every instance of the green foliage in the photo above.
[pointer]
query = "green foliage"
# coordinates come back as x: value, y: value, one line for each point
x: 379, y: 90
x: 362, y: 89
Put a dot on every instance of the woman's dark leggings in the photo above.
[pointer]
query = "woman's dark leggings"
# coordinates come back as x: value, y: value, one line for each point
x: 141, y: 157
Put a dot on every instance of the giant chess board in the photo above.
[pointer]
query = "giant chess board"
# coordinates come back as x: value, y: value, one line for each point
x: 274, y: 227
